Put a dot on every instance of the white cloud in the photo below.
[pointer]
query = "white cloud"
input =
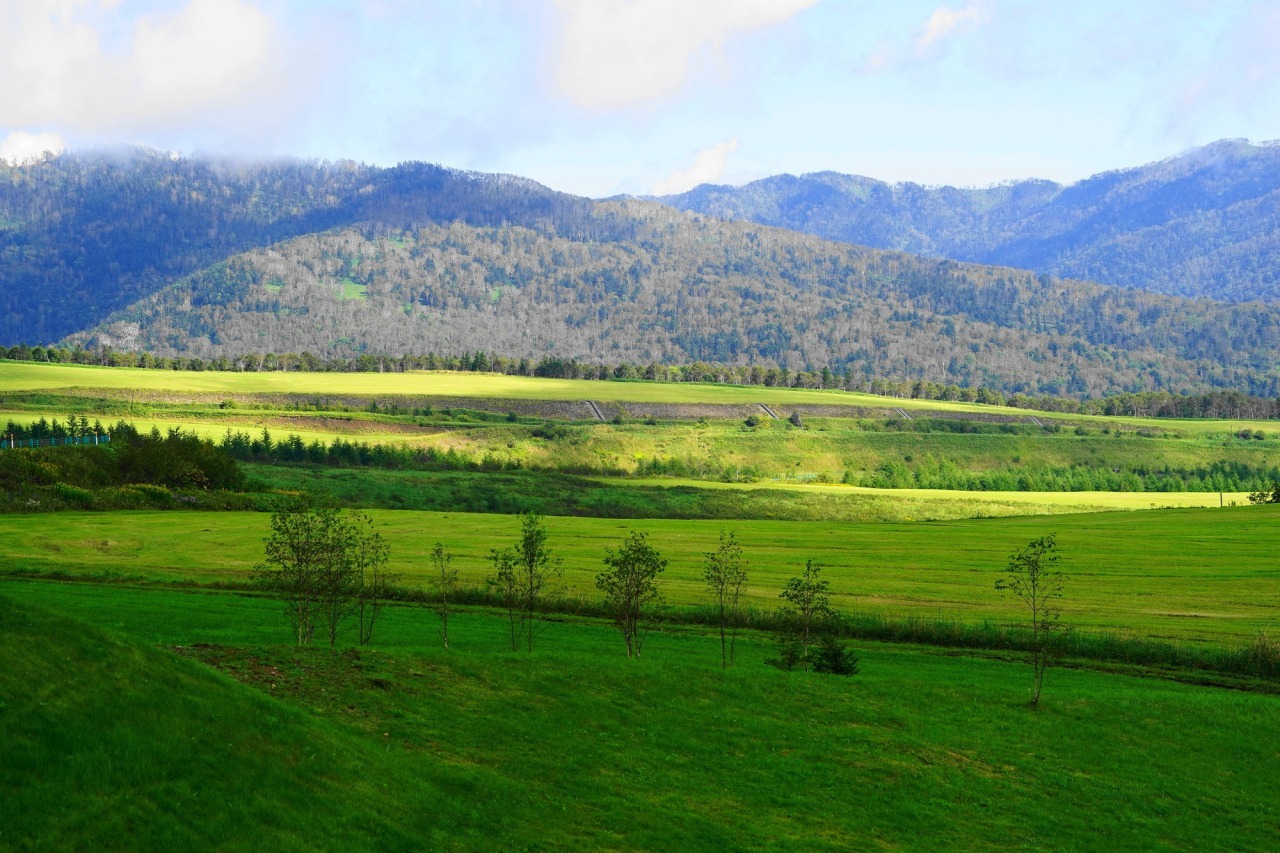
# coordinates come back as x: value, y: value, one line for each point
x: 945, y: 21
x: 708, y: 165
x: 930, y: 38
x: 58, y: 69
x: 611, y: 54
x: 21, y: 147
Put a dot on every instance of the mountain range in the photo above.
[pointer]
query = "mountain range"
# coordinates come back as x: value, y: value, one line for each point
x: 190, y: 256
x: 1204, y: 223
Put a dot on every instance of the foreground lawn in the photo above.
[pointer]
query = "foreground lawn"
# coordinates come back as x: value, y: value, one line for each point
x: 406, y: 745
x: 1205, y: 575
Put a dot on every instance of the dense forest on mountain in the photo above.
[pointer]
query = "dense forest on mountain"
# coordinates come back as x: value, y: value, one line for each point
x: 1206, y: 223
x: 642, y: 283
x: 82, y: 235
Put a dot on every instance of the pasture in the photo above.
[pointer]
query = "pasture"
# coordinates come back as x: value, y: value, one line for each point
x: 1186, y: 575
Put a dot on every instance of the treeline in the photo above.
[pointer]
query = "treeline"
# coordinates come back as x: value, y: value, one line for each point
x: 1149, y: 404
x: 263, y: 448
x: 943, y: 474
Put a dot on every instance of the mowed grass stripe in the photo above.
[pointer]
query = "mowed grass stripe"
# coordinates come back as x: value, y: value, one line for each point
x: 1190, y: 575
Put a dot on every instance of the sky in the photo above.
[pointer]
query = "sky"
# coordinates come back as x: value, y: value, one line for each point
x: 601, y: 97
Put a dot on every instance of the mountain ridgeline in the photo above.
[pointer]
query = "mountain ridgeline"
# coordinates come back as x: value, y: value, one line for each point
x: 196, y: 258
x: 1206, y: 223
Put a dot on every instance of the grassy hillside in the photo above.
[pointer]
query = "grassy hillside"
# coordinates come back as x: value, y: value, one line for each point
x: 1190, y: 575
x: 112, y: 743
x: 405, y: 745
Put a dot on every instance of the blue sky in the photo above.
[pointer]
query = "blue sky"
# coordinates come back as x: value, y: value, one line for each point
x: 599, y: 97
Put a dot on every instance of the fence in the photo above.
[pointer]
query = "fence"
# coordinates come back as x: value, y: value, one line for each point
x: 8, y: 442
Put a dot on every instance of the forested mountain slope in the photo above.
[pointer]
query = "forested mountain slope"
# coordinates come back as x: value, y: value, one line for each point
x: 1206, y: 223
x: 639, y: 282
x: 82, y: 235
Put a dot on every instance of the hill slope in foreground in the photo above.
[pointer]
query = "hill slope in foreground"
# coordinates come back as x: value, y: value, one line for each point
x: 410, y: 746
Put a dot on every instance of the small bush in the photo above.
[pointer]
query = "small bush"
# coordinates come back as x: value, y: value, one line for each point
x: 152, y: 494
x: 73, y: 495
x: 1264, y: 654
x: 834, y: 657
x: 790, y: 651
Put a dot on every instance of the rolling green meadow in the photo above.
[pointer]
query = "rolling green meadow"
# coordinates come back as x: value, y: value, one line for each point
x: 1192, y: 575
x: 152, y: 696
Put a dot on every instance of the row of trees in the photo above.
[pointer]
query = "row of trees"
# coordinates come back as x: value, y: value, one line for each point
x: 331, y: 570
x: 1216, y: 476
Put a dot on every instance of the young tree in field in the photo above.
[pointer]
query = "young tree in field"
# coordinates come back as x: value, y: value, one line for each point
x: 725, y: 572
x: 833, y: 655
x: 339, y: 580
x: 445, y: 580
x: 327, y: 567
x: 503, y: 580
x: 630, y: 585
x: 1032, y: 578
x: 295, y: 549
x: 522, y: 574
x: 809, y: 600
x: 368, y: 553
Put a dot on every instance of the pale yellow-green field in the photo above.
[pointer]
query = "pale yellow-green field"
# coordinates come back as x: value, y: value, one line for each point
x: 29, y: 377
x: 1076, y: 501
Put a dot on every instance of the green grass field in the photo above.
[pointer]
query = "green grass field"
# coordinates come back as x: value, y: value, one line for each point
x: 1189, y: 575
x: 149, y: 699
x: 404, y: 745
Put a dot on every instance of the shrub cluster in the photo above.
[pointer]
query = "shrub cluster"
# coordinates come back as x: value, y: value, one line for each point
x: 134, y: 471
